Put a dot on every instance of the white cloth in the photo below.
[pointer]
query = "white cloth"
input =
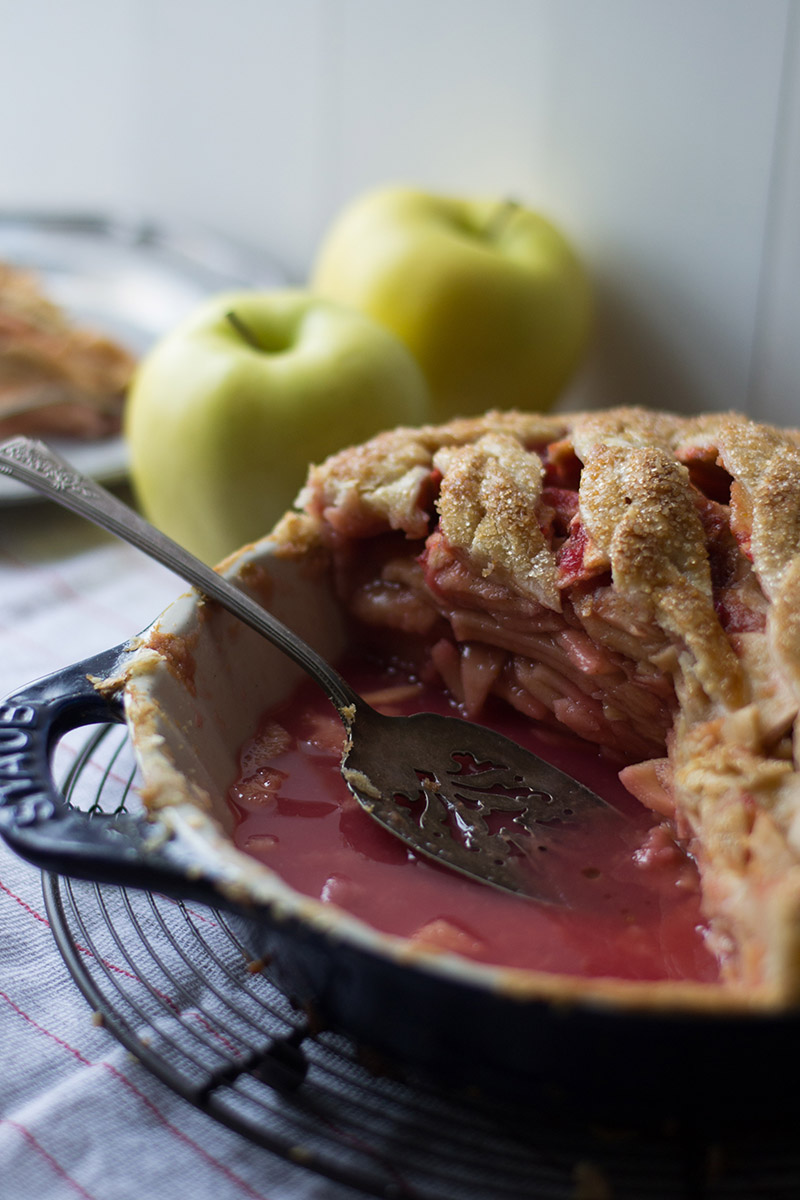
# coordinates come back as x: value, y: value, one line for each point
x: 78, y: 1116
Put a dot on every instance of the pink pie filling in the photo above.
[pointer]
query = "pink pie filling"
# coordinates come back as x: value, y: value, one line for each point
x: 632, y: 904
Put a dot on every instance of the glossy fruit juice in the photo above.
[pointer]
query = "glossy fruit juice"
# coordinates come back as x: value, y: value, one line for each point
x: 631, y: 904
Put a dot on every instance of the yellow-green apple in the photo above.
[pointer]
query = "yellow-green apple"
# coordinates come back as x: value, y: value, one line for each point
x: 226, y: 412
x: 489, y: 296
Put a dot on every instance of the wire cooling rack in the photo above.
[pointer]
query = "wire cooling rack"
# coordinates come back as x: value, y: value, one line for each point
x: 175, y: 985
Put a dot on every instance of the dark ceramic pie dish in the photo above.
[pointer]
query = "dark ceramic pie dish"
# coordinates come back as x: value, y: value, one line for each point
x: 191, y: 689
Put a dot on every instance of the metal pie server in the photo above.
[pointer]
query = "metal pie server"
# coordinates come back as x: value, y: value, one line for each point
x: 461, y: 794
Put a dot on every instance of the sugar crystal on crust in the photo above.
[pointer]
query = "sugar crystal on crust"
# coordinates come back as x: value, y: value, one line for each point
x: 487, y: 506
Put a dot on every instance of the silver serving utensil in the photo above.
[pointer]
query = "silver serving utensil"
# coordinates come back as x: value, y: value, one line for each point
x: 465, y: 796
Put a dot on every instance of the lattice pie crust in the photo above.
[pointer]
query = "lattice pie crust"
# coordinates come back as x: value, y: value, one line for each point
x: 632, y: 576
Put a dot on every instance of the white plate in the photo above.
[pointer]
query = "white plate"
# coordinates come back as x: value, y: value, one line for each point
x: 130, y: 279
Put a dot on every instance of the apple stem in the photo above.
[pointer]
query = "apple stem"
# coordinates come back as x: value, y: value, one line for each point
x: 243, y: 329
x: 500, y: 217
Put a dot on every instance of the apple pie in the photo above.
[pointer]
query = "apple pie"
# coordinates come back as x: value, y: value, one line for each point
x: 628, y: 575
x: 55, y: 378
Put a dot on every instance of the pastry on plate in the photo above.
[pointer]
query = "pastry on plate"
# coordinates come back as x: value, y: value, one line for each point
x: 56, y: 378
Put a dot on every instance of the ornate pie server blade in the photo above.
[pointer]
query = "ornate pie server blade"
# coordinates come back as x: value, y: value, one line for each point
x: 468, y: 797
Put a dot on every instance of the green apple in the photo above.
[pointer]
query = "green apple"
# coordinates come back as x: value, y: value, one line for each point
x: 488, y: 296
x: 226, y: 412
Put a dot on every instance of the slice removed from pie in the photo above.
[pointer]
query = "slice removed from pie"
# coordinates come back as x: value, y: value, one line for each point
x: 629, y: 575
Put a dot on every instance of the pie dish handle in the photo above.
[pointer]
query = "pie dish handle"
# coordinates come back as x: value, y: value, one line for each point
x: 40, y: 825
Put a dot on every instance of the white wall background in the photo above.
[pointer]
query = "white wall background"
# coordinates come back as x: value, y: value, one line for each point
x: 663, y: 135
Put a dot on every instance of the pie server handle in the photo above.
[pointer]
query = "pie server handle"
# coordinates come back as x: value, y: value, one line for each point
x: 42, y: 827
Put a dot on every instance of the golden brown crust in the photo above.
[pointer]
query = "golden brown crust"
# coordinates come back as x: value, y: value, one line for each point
x: 487, y: 504
x: 378, y: 483
x: 736, y: 785
x: 637, y: 506
x: 785, y: 626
